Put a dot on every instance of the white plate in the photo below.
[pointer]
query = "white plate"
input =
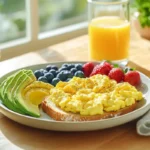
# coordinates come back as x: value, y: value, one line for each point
x: 45, y: 122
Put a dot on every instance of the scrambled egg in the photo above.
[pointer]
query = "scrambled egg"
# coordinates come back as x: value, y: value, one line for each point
x: 94, y: 95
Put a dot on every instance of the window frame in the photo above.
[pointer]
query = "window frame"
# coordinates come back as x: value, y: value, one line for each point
x: 35, y: 41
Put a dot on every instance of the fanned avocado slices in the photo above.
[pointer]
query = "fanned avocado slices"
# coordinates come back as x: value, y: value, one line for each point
x: 1, y: 90
x: 11, y: 93
x: 3, y: 87
x: 17, y: 85
x: 7, y: 87
x: 10, y: 89
x: 25, y: 105
x: 3, y: 84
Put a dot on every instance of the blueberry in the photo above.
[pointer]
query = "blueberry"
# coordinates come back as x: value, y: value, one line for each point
x: 53, y: 72
x: 63, y: 68
x: 78, y: 66
x: 71, y: 66
x: 49, y: 76
x: 67, y: 73
x: 65, y: 65
x: 43, y: 79
x: 70, y: 74
x: 55, y: 81
x: 73, y: 70
x: 79, y: 74
x: 42, y: 70
x: 62, y: 76
x: 57, y: 72
x: 64, y: 72
x: 54, y: 67
x: 38, y: 73
x: 48, y: 68
x: 45, y: 71
x: 68, y: 79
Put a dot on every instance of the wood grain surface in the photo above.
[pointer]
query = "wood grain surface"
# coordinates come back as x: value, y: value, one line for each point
x: 124, y: 137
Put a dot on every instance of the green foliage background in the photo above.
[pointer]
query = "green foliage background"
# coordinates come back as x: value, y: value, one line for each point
x: 143, y: 7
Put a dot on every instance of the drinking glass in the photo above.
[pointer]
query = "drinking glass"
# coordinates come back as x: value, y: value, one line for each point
x: 109, y: 30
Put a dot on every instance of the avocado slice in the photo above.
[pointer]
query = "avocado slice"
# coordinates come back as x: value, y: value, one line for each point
x: 9, y: 89
x: 2, y: 91
x: 11, y: 93
x: 9, y: 84
x: 29, y: 108
x: 5, y: 100
x: 2, y: 87
x: 17, y: 85
x: 4, y: 84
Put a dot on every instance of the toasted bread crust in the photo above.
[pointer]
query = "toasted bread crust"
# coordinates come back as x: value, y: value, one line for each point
x: 58, y: 114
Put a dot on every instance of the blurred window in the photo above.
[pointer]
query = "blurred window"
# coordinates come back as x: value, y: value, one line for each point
x: 12, y: 20
x: 29, y: 25
x: 55, y: 14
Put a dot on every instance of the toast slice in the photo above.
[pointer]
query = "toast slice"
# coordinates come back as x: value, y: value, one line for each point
x: 60, y: 115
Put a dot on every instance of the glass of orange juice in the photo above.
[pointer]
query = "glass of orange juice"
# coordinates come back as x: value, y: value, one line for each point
x: 109, y: 30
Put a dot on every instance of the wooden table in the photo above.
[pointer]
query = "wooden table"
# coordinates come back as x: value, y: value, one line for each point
x: 16, y: 136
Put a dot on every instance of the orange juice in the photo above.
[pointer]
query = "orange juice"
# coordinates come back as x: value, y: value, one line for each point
x: 109, y: 38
